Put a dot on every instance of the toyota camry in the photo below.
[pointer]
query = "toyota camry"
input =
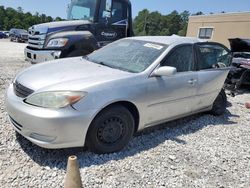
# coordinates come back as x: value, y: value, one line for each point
x: 102, y: 99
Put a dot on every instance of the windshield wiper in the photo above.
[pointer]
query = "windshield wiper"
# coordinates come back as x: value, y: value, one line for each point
x: 110, y: 66
x: 104, y: 64
x: 114, y: 67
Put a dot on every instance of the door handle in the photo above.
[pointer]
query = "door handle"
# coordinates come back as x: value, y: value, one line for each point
x: 192, y: 81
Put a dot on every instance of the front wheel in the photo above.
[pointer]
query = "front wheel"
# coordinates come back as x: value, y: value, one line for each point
x: 111, y: 130
x: 220, y: 104
x: 18, y: 40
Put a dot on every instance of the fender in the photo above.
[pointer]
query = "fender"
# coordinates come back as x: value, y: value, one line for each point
x: 79, y: 43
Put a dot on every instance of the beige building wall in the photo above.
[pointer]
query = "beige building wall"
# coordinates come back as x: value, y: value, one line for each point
x: 225, y: 26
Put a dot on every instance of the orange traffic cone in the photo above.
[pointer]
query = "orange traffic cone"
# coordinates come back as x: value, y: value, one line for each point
x: 73, y: 177
x: 247, y: 105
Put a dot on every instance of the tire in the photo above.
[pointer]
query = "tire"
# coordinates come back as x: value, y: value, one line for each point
x: 220, y: 104
x: 111, y: 130
x: 245, y: 77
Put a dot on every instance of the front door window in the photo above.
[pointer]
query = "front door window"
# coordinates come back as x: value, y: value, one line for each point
x: 181, y: 58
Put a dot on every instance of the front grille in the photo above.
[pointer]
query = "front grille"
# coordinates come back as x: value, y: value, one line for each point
x: 24, y: 37
x: 35, y: 32
x: 36, y: 41
x: 37, y: 36
x: 22, y: 91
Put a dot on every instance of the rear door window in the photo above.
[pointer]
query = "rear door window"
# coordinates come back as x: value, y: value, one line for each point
x: 213, y: 55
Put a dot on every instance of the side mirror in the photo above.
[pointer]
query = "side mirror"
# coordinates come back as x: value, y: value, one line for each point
x: 165, y: 71
x: 108, y: 5
x: 108, y: 9
x: 106, y: 14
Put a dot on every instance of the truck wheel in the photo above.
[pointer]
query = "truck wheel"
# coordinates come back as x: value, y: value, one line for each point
x: 220, y: 104
x: 78, y: 53
x: 111, y: 130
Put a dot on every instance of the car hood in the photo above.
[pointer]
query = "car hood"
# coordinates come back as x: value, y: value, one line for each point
x: 55, y: 26
x: 68, y: 74
x: 65, y: 23
x: 240, y: 45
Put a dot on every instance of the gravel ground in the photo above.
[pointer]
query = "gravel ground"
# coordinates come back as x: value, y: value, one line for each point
x: 198, y: 151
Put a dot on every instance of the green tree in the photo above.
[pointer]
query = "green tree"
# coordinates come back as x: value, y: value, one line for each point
x: 19, y: 10
x: 11, y: 18
x: 2, y: 16
x: 154, y: 23
x: 174, y: 22
x: 58, y: 19
x: 184, y: 23
x: 198, y: 13
x: 141, y: 22
x: 49, y: 19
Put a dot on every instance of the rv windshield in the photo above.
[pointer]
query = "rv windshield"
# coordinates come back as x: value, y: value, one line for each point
x: 82, y: 10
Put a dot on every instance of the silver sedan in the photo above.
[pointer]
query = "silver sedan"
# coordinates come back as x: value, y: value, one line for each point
x: 101, y: 100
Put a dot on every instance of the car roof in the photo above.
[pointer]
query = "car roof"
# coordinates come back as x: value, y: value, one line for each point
x: 168, y: 40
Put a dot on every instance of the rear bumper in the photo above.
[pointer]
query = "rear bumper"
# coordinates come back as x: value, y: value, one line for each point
x: 39, y: 56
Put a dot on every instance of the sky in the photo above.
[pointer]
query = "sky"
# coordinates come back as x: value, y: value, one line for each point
x: 56, y: 8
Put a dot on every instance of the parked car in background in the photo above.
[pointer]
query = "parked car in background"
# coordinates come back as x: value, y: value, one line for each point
x: 240, y: 73
x: 6, y: 33
x: 18, y: 35
x: 3, y: 35
x: 102, y: 99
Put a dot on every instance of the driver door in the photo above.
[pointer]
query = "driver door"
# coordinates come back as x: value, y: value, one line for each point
x: 173, y: 96
x: 113, y: 21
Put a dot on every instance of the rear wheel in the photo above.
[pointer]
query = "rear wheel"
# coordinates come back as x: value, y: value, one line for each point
x: 220, y: 104
x: 245, y: 77
x: 111, y: 130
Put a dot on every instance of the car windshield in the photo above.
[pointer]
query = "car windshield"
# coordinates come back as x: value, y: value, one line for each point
x: 82, y: 10
x: 128, y: 55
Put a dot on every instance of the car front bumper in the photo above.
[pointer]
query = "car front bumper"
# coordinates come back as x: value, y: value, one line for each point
x: 39, y: 56
x: 48, y: 128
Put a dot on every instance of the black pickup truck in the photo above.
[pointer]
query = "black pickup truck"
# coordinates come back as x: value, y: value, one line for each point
x: 91, y: 24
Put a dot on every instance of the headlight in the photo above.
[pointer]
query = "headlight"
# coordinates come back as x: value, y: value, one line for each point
x: 57, y: 99
x: 60, y: 42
